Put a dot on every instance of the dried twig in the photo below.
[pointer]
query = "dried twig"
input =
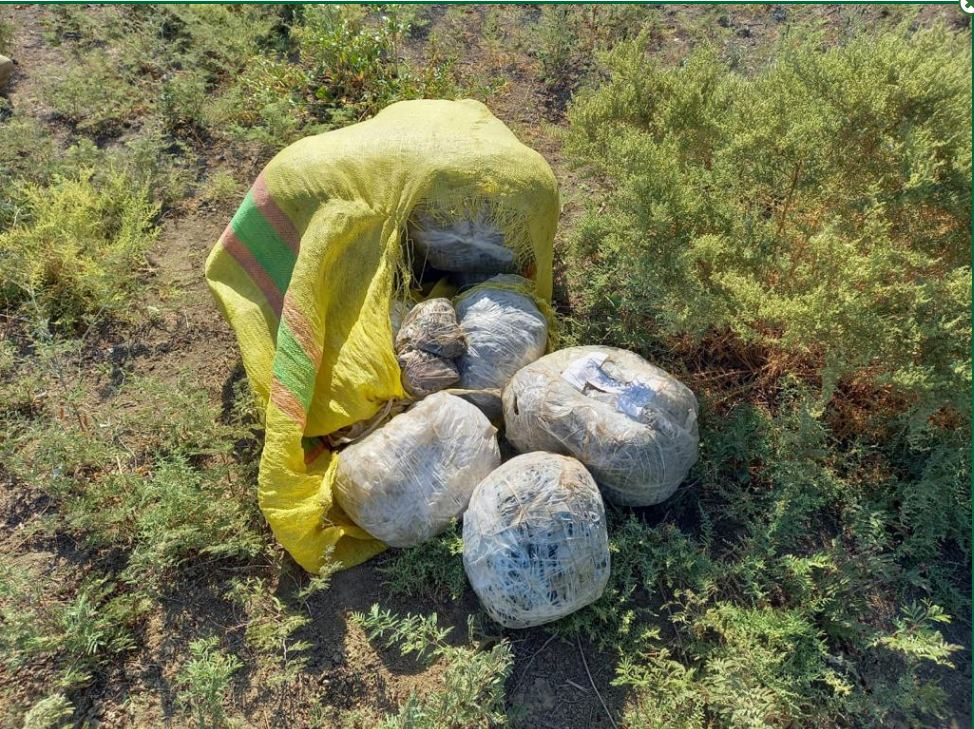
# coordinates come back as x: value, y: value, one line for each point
x: 531, y: 660
x: 591, y: 681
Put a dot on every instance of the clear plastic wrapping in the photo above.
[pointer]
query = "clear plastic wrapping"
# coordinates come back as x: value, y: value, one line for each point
x: 407, y: 480
x: 424, y: 373
x: 632, y: 424
x: 427, y: 344
x: 431, y: 326
x: 469, y: 246
x: 535, y: 545
x: 504, y: 331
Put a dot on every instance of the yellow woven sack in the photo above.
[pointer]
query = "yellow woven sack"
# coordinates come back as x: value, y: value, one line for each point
x: 309, y: 268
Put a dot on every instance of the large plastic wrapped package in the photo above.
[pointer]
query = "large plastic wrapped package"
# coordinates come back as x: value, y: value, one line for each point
x: 632, y: 424
x: 535, y: 546
x: 407, y: 480
x: 470, y: 246
x: 504, y: 331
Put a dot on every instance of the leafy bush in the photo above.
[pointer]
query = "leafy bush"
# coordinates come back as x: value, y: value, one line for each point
x: 473, y: 691
x: 6, y: 35
x: 820, y: 207
x: 183, y: 102
x: 28, y: 154
x: 51, y: 712
x: 266, y: 104
x: 801, y: 233
x: 204, y: 680
x: 433, y: 569
x: 173, y: 496
x: 76, y: 247
x: 79, y: 633
x: 354, y: 69
x: 94, y: 95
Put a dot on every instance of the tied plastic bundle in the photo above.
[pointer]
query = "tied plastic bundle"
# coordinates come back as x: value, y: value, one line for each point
x: 632, y: 424
x: 504, y: 331
x: 407, y: 480
x: 427, y: 344
x: 535, y: 546
x: 461, y: 246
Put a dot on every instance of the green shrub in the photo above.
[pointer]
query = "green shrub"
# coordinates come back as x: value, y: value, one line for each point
x: 76, y: 248
x: 51, y: 712
x: 6, y: 35
x: 353, y: 65
x: 94, y: 94
x: 182, y: 103
x: 473, y: 680
x: 203, y: 682
x: 265, y: 104
x: 433, y: 569
x: 271, y: 626
x: 80, y: 634
x: 160, y: 480
x: 28, y: 155
x: 820, y: 207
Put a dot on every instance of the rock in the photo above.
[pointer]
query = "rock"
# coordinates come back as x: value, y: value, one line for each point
x: 544, y: 694
x: 6, y: 71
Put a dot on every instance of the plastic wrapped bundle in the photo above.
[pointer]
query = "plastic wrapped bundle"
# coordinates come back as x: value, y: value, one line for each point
x: 461, y: 245
x: 424, y: 373
x: 426, y: 345
x: 633, y: 425
x: 504, y: 332
x: 535, y: 546
x: 431, y: 326
x: 407, y: 480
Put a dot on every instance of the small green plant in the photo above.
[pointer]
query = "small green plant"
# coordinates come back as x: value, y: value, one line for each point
x: 94, y: 95
x: 473, y: 691
x: 6, y: 35
x: 431, y: 570
x: 51, y: 712
x: 183, y: 101
x: 222, y: 187
x: 76, y: 248
x: 81, y: 633
x: 203, y: 682
x: 353, y: 67
x: 322, y: 581
x: 271, y: 625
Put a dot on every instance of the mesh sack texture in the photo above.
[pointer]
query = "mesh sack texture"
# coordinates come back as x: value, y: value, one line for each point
x: 535, y: 545
x: 504, y: 328
x: 407, y: 480
x: 632, y: 424
x: 462, y: 246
